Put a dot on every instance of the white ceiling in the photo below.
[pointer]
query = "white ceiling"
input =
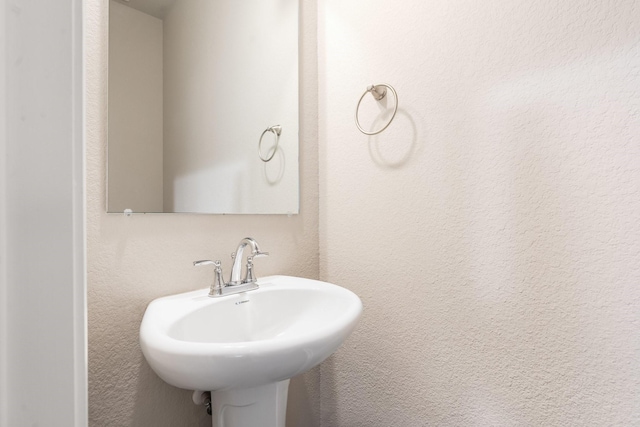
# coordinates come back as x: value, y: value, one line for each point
x: 157, y: 8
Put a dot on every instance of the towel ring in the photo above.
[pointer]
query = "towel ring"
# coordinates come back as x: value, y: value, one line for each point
x: 378, y: 91
x: 276, y: 130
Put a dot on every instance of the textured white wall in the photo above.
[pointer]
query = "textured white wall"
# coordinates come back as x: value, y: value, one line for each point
x: 492, y: 230
x: 132, y: 260
x: 43, y: 366
x: 135, y: 110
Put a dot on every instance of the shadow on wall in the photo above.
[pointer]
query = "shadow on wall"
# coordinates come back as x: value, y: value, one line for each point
x: 273, y: 170
x: 156, y: 402
x: 303, y: 408
x: 394, y: 152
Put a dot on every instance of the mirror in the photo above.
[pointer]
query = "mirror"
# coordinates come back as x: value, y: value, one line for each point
x: 195, y: 87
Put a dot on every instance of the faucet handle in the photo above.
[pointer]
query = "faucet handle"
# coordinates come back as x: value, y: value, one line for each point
x: 256, y: 254
x: 218, y: 282
x: 216, y: 263
x: 249, y: 277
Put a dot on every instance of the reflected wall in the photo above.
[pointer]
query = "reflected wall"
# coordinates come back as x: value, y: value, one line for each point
x: 189, y: 98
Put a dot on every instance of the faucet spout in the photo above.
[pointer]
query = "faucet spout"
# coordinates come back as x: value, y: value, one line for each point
x: 236, y: 270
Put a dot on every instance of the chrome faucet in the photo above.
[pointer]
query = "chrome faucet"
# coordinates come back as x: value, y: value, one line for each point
x: 236, y: 270
x: 235, y: 285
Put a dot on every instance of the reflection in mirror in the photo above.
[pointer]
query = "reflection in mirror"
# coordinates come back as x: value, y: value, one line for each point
x: 193, y: 84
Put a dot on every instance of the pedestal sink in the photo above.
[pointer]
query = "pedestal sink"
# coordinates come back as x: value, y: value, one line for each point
x: 244, y: 348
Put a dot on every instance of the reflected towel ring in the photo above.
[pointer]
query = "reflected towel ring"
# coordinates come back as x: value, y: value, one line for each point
x: 378, y: 92
x: 276, y: 130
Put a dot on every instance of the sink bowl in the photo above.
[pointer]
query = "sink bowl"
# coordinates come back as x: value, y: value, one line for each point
x: 250, y: 339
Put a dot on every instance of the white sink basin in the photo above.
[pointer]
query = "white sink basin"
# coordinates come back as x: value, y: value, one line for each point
x: 284, y: 328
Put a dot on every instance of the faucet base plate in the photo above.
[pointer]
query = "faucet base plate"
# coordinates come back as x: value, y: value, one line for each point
x: 233, y: 289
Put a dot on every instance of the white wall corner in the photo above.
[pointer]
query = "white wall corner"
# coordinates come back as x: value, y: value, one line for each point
x: 3, y: 234
x: 79, y: 211
x: 42, y: 214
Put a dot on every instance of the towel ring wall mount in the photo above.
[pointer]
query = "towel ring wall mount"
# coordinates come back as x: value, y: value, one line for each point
x: 276, y: 130
x: 378, y: 91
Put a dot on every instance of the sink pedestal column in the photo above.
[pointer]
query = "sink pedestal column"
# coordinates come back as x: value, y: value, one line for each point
x: 263, y: 406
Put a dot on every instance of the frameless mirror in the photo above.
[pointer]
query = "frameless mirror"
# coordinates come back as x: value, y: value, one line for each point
x: 203, y: 106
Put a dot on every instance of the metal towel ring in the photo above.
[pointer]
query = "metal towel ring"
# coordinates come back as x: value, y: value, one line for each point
x: 276, y: 130
x: 378, y: 92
